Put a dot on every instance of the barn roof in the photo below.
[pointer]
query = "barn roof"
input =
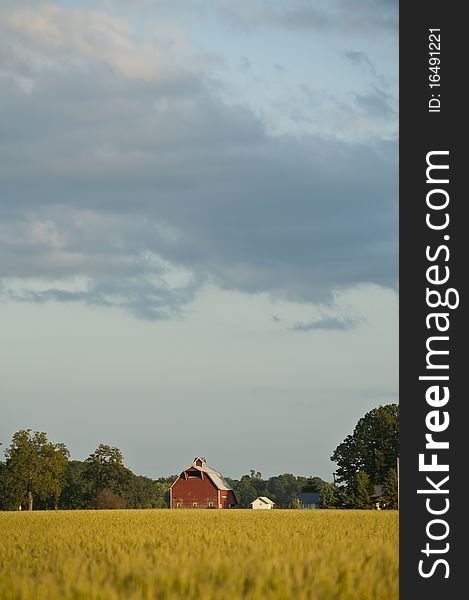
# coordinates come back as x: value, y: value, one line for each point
x: 216, y: 477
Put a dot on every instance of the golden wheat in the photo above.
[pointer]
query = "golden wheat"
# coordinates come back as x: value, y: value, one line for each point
x: 199, y: 555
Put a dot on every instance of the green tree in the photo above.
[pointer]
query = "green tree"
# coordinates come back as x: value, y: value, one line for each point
x: 390, y: 489
x: 160, y: 496
x: 104, y: 468
x: 162, y: 485
x: 373, y: 447
x: 313, y: 484
x: 34, y: 467
x: 360, y: 492
x: 245, y: 491
x: 76, y: 492
x: 258, y: 483
x: 136, y: 491
x: 330, y: 496
x: 284, y: 489
x: 3, y: 486
x: 142, y: 492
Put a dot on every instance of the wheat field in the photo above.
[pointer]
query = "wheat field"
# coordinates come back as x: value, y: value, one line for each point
x: 199, y: 555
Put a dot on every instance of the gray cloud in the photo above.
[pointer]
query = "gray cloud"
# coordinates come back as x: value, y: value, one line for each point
x: 357, y: 16
x: 280, y: 68
x: 140, y: 298
x: 302, y: 16
x: 145, y: 184
x: 377, y: 103
x: 359, y: 58
x: 361, y: 15
x: 326, y: 324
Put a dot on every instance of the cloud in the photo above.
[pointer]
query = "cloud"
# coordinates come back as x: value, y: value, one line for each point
x: 367, y: 17
x: 280, y: 68
x: 326, y: 324
x: 359, y: 58
x: 377, y: 103
x: 301, y: 17
x: 126, y: 168
x: 139, y: 296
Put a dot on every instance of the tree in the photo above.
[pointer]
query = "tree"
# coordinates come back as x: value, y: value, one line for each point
x: 257, y: 482
x: 313, y: 484
x: 360, y: 492
x: 3, y: 487
x: 143, y: 492
x: 135, y: 491
x: 34, y: 467
x: 284, y: 489
x: 245, y: 491
x: 390, y: 489
x: 76, y: 493
x: 107, y: 499
x: 330, y: 496
x: 104, y: 468
x: 372, y: 448
x: 162, y: 485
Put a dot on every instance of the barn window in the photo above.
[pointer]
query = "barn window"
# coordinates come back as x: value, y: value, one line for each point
x: 194, y: 504
x: 196, y: 474
x: 210, y: 504
x: 178, y: 505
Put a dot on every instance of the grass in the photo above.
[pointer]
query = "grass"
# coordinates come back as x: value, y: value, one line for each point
x: 199, y: 555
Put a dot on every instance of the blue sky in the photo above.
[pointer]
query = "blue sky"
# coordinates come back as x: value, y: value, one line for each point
x: 198, y: 227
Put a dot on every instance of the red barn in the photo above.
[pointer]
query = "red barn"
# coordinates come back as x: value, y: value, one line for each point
x: 200, y: 486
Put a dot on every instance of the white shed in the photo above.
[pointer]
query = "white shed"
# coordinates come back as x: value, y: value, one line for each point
x: 262, y: 503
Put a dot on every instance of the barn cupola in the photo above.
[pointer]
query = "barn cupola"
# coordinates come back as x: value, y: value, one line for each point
x: 200, y: 462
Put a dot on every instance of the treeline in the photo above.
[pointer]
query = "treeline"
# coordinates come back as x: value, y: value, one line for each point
x: 366, y: 475
x: 281, y: 489
x: 38, y: 473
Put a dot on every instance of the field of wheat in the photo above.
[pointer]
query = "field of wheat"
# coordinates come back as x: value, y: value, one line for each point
x: 199, y: 555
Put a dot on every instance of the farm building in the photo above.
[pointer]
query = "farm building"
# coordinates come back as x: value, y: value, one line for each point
x: 309, y: 499
x: 200, y: 486
x: 262, y: 503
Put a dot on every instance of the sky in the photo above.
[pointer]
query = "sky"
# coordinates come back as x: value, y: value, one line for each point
x: 198, y: 227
